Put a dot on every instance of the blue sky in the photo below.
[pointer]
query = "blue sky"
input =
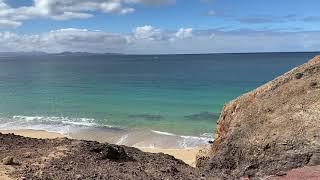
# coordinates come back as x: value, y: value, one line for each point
x: 160, y: 26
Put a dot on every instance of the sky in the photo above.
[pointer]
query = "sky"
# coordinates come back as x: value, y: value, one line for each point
x: 160, y: 26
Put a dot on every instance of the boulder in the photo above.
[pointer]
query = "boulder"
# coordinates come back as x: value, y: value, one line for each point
x: 109, y: 151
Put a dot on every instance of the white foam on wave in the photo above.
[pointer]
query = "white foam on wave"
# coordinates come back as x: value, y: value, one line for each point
x: 163, y: 133
x: 209, y: 135
x: 64, y: 120
x: 139, y: 137
x: 43, y: 127
x: 28, y: 118
x: 123, y: 140
x: 63, y: 125
x: 79, y: 123
x: 192, y: 141
x: 184, y: 141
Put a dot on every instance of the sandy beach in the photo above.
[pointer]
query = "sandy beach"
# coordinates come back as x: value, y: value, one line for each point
x: 186, y: 155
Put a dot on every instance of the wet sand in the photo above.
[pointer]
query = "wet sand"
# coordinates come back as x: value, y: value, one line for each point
x: 186, y: 155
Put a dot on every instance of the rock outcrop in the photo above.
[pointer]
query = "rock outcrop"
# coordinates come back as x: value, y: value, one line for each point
x: 270, y: 130
x: 74, y: 159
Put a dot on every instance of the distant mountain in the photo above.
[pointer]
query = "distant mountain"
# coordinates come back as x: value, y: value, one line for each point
x: 68, y: 53
x: 40, y: 53
x: 32, y: 53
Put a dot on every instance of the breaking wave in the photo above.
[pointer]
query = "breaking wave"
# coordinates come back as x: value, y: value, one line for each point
x: 131, y: 137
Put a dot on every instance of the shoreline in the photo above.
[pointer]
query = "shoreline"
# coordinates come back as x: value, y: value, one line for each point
x: 187, y: 155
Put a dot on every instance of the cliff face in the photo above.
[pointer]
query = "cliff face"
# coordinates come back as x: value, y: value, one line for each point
x: 271, y: 129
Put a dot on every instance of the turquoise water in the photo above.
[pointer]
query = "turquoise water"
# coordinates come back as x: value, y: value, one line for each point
x: 179, y: 94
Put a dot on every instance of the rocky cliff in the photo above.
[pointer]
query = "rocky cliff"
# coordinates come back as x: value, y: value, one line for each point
x: 272, y: 129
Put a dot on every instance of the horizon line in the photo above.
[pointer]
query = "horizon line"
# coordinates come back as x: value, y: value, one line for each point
x: 161, y: 54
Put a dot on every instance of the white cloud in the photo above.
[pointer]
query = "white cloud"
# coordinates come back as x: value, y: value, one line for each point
x: 60, y: 7
x: 68, y: 9
x: 149, y: 33
x: 151, y: 40
x: 184, y: 33
x: 64, y: 40
x: 9, y: 24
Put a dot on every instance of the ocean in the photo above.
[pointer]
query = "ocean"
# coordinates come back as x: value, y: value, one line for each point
x: 139, y: 100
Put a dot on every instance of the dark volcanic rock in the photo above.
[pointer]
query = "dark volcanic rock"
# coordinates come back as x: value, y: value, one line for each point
x: 73, y: 159
x: 270, y: 130
x: 299, y: 75
x: 108, y: 151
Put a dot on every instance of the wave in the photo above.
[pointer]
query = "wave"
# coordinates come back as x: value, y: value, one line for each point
x: 63, y: 125
x: 163, y: 133
x: 64, y: 120
x: 88, y: 128
x: 191, y: 141
x: 187, y: 141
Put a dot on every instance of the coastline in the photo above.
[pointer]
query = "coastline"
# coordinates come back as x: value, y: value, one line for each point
x: 256, y: 138
x: 187, y: 155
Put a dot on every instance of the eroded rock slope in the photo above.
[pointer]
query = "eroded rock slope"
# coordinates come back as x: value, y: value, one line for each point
x: 272, y: 129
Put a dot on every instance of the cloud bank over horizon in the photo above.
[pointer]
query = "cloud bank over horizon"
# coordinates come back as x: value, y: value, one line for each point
x: 150, y: 40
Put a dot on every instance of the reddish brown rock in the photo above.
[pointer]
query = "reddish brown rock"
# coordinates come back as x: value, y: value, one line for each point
x: 310, y: 173
x: 271, y: 129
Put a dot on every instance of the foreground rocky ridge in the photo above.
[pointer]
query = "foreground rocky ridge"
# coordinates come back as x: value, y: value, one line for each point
x: 74, y: 159
x: 272, y: 129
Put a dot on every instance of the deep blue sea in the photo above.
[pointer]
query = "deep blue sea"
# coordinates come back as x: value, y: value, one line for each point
x: 179, y: 96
